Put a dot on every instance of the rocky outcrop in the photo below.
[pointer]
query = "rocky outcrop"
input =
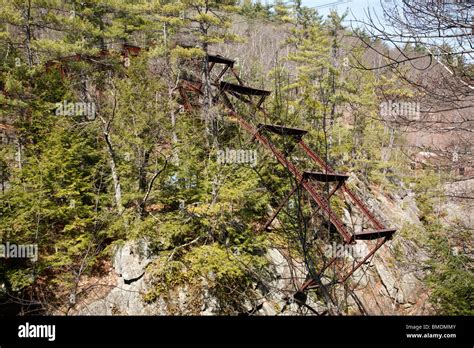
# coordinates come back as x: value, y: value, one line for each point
x: 390, y: 286
x: 125, y: 288
x: 390, y: 283
x: 130, y: 282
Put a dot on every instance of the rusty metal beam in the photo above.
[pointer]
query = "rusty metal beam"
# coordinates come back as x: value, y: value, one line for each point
x: 356, y: 267
x: 238, y: 91
x: 240, y: 97
x: 326, y: 177
x: 369, y: 235
x: 227, y: 101
x: 218, y: 78
x: 187, y: 104
x: 280, y: 207
x: 227, y: 86
x: 192, y: 86
x: 236, y: 75
x: 211, y: 66
x: 220, y: 60
x: 333, y: 191
x: 260, y: 102
x: 310, y: 283
x: 321, y: 201
x: 345, y: 189
x: 282, y: 130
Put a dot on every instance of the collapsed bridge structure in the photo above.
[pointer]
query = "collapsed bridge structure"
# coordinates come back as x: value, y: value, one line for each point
x: 227, y: 93
x: 309, y: 181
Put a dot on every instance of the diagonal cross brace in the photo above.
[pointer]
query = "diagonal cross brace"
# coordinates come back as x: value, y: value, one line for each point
x: 321, y: 201
x: 345, y: 189
x: 280, y: 207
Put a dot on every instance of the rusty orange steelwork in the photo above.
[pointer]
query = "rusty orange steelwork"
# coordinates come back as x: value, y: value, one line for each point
x: 304, y: 179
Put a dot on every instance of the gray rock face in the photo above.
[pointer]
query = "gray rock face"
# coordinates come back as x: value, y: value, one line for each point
x: 286, y: 271
x: 382, y: 289
x: 125, y: 296
x: 123, y: 299
x: 409, y: 286
x: 288, y: 274
x: 393, y: 282
x: 388, y: 280
x: 459, y: 210
x: 386, y: 285
x: 131, y: 260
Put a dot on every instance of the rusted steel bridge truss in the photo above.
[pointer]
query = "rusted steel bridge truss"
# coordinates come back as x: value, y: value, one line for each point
x: 304, y: 179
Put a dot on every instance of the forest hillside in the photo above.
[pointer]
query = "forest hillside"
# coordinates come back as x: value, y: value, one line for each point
x: 228, y: 157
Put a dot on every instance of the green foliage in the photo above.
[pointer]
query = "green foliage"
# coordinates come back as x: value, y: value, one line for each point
x: 426, y: 187
x: 18, y: 279
x: 167, y: 275
x: 255, y: 9
x: 212, y: 25
x: 451, y: 279
x: 225, y: 273
x: 52, y: 200
x: 200, y: 216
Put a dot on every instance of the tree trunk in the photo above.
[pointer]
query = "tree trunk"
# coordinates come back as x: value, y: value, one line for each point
x: 29, y: 53
x: 115, y: 175
x: 142, y: 182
